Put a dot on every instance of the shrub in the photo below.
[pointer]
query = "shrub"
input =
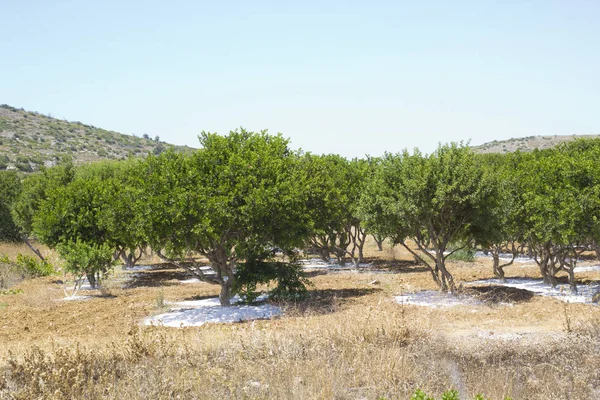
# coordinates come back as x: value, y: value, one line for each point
x: 33, y: 266
x: 466, y: 255
x: 24, y: 167
x: 448, y: 395
x: 290, y: 279
x: 88, y: 259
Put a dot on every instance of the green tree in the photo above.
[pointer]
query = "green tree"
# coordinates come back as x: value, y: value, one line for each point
x: 120, y: 210
x: 230, y: 201
x: 34, y: 192
x: 86, y: 259
x: 335, y: 185
x: 10, y: 187
x: 100, y: 206
x: 503, y: 231
x: 561, y: 188
x: 432, y: 200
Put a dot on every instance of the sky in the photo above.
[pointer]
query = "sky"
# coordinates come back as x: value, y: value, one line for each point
x: 345, y: 77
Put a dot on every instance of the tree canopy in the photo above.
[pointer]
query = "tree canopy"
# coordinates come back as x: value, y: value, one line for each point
x: 433, y: 200
x: 231, y: 201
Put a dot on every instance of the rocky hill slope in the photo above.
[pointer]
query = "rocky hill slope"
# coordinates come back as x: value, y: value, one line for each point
x: 29, y: 140
x: 527, y: 143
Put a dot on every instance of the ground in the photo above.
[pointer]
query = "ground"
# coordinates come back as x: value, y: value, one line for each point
x: 350, y: 340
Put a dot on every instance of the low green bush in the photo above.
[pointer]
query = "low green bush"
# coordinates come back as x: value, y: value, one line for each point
x: 448, y: 395
x: 466, y: 255
x: 33, y: 266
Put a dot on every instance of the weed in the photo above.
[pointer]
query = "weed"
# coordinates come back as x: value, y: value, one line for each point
x: 11, y: 292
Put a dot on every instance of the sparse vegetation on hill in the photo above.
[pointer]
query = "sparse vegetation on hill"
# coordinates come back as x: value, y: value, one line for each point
x: 29, y: 140
x: 528, y: 143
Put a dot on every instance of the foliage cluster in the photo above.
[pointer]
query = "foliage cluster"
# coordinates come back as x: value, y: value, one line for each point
x: 248, y: 203
x: 14, y: 271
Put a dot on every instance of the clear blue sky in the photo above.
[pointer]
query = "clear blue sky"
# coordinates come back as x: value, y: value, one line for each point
x: 347, y: 77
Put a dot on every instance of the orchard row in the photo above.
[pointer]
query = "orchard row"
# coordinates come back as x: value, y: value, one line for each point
x: 248, y: 202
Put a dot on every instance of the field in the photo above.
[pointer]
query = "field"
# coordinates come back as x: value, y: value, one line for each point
x: 349, y: 340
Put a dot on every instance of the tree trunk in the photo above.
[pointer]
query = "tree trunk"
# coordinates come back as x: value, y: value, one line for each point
x: 36, y: 251
x: 379, y: 240
x: 323, y: 245
x: 431, y: 266
x: 447, y: 280
x: 225, y: 295
x: 498, y: 271
x: 544, y: 255
x: 91, y: 277
x: 568, y: 261
x: 324, y: 254
x: 220, y: 263
x: 361, y: 237
x: 552, y: 272
x: 341, y: 259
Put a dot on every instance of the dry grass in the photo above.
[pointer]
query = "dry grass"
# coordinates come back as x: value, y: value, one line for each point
x: 349, y: 340
x: 11, y: 250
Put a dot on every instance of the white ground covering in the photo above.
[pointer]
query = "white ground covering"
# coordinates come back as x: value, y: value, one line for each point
x: 206, y: 270
x: 537, y: 286
x: 72, y: 298
x: 587, y: 269
x: 200, y: 312
x: 191, y: 280
x: 139, y: 268
x: 317, y: 263
x: 435, y: 299
x: 507, y: 257
x: 87, y: 286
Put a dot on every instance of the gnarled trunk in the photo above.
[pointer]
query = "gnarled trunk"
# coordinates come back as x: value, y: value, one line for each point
x: 91, y: 277
x: 225, y: 295
x: 223, y: 267
x: 379, y: 240
x: 447, y: 280
x: 498, y: 271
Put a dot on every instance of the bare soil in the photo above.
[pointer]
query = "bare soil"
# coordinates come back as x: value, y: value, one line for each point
x: 349, y: 319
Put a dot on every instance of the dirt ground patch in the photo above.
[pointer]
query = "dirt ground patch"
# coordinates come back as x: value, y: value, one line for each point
x: 348, y: 340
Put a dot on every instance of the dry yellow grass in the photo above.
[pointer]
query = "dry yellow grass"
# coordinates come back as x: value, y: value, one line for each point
x: 350, y: 340
x: 13, y: 249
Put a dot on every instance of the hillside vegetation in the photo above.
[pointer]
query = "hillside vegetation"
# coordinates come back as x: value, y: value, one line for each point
x: 527, y: 143
x: 29, y: 140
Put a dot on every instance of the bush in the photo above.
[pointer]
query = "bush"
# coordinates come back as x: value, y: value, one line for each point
x: 290, y: 279
x: 93, y: 260
x: 24, y: 167
x: 448, y: 395
x: 34, y: 267
x: 466, y: 255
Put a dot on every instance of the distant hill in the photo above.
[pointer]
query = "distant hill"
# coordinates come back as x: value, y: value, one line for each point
x: 29, y: 140
x: 527, y: 143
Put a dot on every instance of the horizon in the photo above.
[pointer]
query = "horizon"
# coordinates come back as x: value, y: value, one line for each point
x: 332, y: 78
